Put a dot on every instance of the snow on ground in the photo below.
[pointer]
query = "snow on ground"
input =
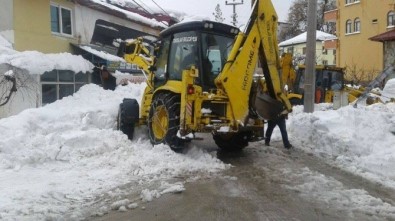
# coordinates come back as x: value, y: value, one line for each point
x: 66, y: 156
x: 361, y: 140
x: 66, y: 161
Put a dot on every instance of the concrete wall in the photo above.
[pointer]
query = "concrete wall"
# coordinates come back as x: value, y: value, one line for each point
x: 389, y: 56
x: 6, y: 21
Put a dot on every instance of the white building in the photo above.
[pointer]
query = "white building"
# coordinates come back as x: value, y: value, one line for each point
x: 297, y: 47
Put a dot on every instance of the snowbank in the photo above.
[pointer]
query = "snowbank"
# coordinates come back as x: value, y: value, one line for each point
x: 361, y: 140
x: 55, y: 161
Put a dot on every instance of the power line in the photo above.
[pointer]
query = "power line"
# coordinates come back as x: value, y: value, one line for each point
x: 146, y: 6
x: 141, y: 7
x: 147, y: 11
x: 161, y: 8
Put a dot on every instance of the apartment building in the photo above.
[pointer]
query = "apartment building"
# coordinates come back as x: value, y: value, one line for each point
x: 356, y: 22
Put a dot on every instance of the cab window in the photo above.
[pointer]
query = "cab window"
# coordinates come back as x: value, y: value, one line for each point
x: 161, y: 61
x: 183, y: 54
x: 216, y: 49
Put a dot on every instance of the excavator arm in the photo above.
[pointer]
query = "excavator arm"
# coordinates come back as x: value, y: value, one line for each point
x: 258, y: 43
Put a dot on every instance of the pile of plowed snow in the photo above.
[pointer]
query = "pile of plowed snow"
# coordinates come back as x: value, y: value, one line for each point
x: 60, y: 161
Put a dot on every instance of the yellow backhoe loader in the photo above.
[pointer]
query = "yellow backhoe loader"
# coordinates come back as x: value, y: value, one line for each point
x: 328, y: 81
x: 202, y: 81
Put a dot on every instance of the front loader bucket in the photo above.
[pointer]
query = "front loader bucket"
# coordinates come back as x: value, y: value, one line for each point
x: 267, y: 107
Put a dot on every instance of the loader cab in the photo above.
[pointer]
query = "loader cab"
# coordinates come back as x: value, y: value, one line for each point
x: 328, y: 78
x: 202, y: 44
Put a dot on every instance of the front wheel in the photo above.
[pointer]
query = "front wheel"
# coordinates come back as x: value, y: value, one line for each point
x: 128, y: 115
x: 164, y: 120
x: 232, y: 141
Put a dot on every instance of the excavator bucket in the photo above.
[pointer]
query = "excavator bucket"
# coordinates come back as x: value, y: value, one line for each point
x: 267, y: 107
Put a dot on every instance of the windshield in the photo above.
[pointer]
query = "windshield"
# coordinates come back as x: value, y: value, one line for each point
x: 206, y: 51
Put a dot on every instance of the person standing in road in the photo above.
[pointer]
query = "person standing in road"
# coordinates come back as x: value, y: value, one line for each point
x: 280, y: 122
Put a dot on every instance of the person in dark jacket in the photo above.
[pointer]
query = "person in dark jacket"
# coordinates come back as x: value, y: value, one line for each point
x: 280, y: 122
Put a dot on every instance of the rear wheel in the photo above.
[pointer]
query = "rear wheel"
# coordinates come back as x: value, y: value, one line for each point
x: 164, y: 120
x: 232, y: 141
x: 128, y: 115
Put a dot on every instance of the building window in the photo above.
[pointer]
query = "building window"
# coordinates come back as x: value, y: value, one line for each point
x: 57, y: 84
x: 61, y: 20
x: 324, y: 51
x: 391, y: 19
x: 348, y: 26
x: 304, y: 50
x: 352, y: 1
x: 357, y: 25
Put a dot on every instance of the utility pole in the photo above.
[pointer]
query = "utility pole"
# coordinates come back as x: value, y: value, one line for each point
x: 234, y: 4
x: 309, y: 86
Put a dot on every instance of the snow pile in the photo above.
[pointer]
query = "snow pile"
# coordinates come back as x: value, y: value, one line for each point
x: 361, y: 140
x: 56, y: 161
x: 5, y: 43
x: 389, y: 89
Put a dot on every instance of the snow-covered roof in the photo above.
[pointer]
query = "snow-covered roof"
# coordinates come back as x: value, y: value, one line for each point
x: 102, y: 5
x: 37, y: 63
x: 302, y: 38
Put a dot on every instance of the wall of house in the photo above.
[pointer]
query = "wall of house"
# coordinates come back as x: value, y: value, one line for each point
x: 6, y: 21
x: 355, y: 49
x: 32, y: 26
x: 298, y: 52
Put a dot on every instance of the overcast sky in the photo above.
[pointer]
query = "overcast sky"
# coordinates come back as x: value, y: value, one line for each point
x: 205, y: 8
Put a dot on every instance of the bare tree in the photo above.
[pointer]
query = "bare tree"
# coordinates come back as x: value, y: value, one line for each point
x: 359, y: 76
x: 297, y: 17
x: 14, y: 81
x: 218, y: 14
x: 8, y: 87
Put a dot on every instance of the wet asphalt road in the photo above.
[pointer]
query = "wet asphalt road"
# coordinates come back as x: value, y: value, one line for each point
x: 257, y: 188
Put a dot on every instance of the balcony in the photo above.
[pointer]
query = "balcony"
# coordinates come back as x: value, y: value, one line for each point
x: 330, y: 16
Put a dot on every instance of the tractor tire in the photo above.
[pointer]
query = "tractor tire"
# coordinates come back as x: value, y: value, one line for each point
x: 296, y: 101
x: 232, y: 142
x: 164, y: 121
x: 128, y: 115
